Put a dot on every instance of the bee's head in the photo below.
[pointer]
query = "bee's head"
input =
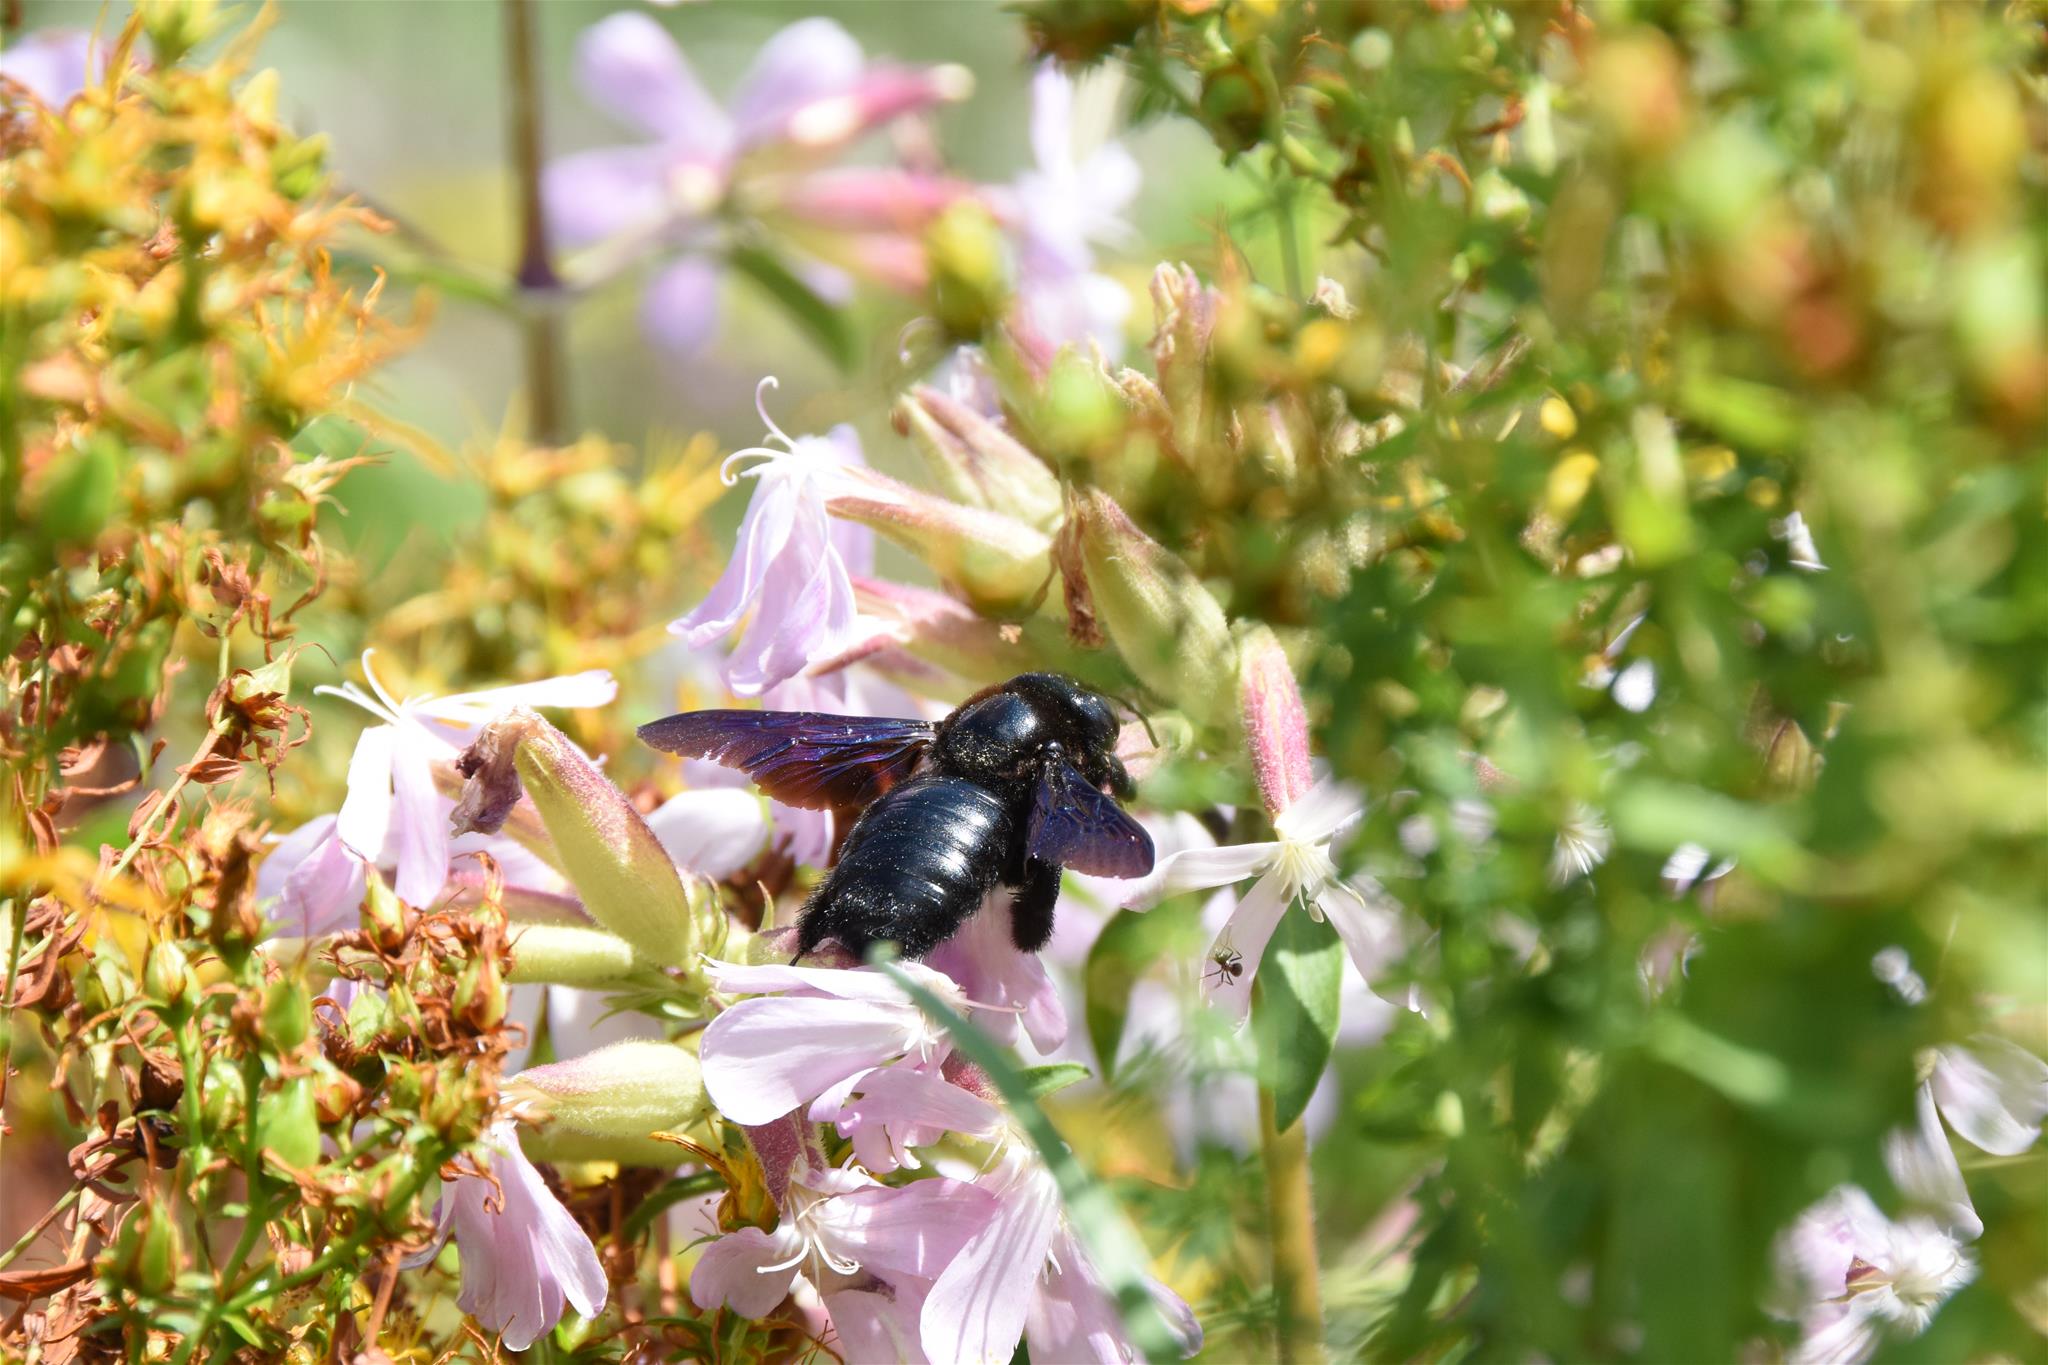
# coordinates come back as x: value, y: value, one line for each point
x: 1083, y: 723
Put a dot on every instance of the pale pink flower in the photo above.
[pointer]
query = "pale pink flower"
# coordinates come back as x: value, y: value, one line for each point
x: 809, y: 92
x: 1021, y: 1270
x: 791, y: 565
x: 312, y: 881
x: 983, y: 957
x: 713, y: 832
x: 523, y: 1256
x: 392, y: 812
x: 810, y: 1031
x: 1847, y: 1275
x: 844, y: 1233
x: 1295, y: 866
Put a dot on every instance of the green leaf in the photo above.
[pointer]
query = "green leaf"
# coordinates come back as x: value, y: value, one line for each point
x: 1128, y: 944
x: 1294, y: 1010
x: 1092, y: 1211
x: 826, y: 324
x: 1053, y: 1077
x: 674, y: 1192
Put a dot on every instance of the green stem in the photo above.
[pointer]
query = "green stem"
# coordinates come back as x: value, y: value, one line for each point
x: 28, y: 1238
x: 536, y: 277
x: 17, y: 921
x: 1297, y: 1293
x: 220, y: 727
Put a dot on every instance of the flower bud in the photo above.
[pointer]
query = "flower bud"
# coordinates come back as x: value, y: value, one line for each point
x: 288, y: 1124
x: 148, y: 1252
x: 1000, y: 562
x: 613, y: 860
x: 480, y: 994
x: 966, y: 256
x: 943, y: 630
x: 1185, y: 312
x: 568, y: 955
x: 1275, y: 720
x: 287, y: 1014
x: 1168, y: 628
x: 975, y: 461
x: 556, y: 1143
x: 167, y: 978
x: 627, y: 1090
x: 385, y: 918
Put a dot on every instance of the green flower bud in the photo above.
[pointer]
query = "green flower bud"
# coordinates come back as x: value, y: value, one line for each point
x: 1168, y: 628
x: 556, y: 1143
x: 627, y: 1090
x: 167, y: 978
x: 288, y: 1124
x: 999, y: 562
x: 287, y: 1014
x: 569, y: 955
x: 976, y: 462
x: 384, y: 917
x: 618, y: 868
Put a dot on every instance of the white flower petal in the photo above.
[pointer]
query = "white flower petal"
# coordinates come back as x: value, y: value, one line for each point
x: 365, y: 817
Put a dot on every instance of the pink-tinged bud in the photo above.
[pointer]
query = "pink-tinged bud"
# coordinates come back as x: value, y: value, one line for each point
x: 884, y: 93
x: 1185, y: 313
x: 1275, y: 721
x: 1000, y: 563
x: 1168, y: 628
x: 617, y: 867
x: 871, y: 199
x: 975, y: 461
x: 944, y: 630
x: 627, y: 1090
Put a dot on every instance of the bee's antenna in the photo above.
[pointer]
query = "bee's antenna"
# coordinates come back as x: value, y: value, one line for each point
x: 1137, y: 711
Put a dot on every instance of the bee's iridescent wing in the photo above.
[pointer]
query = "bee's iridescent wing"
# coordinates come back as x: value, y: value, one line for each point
x: 1074, y: 825
x: 801, y: 758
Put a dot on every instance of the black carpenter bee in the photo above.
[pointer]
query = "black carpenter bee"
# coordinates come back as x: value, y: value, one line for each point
x: 1015, y: 785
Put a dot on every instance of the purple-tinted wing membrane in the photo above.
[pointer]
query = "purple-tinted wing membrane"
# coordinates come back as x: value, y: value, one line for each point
x: 800, y: 758
x: 1074, y: 825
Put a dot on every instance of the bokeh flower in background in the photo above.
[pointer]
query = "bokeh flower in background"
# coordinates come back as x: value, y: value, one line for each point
x: 52, y: 64
x: 684, y: 198
x: 1062, y: 208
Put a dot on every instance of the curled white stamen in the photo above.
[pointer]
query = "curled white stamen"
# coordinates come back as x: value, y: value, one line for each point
x: 381, y: 705
x: 376, y: 686
x: 768, y: 455
x: 775, y: 433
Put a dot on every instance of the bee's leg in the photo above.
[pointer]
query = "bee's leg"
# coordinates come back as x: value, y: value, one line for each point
x: 1031, y: 907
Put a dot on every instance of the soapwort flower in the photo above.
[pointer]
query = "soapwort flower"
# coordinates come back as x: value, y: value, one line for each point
x: 1848, y: 1274
x: 1296, y: 866
x: 791, y: 566
x: 1022, y: 1274
x: 523, y: 1257
x: 810, y: 92
x: 393, y: 815
x: 809, y: 1031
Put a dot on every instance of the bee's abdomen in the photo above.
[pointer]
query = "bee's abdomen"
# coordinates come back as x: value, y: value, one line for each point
x: 914, y: 867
